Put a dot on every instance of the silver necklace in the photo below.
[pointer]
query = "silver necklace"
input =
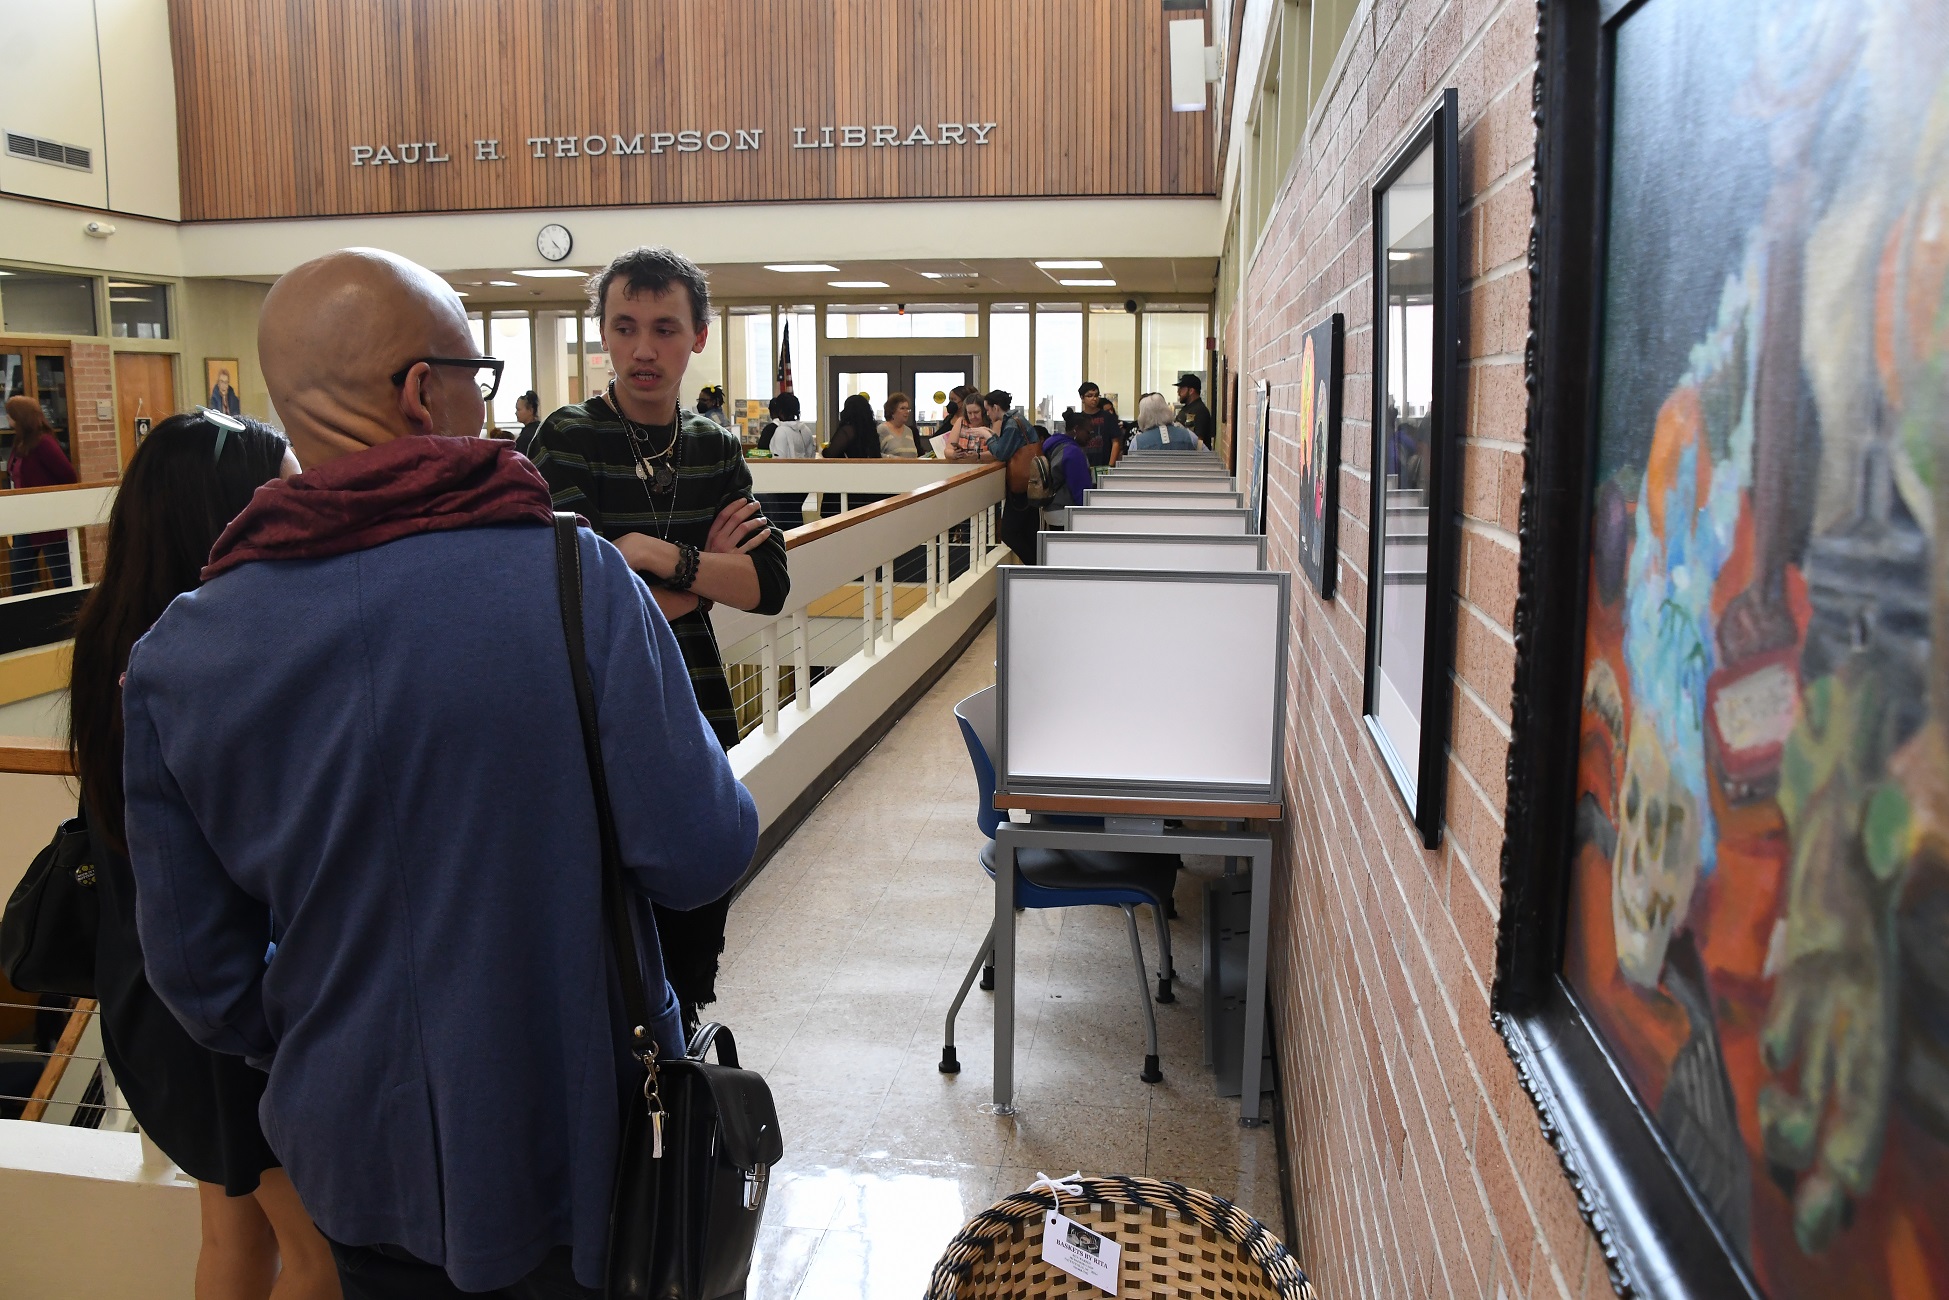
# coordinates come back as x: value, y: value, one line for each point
x: 656, y: 471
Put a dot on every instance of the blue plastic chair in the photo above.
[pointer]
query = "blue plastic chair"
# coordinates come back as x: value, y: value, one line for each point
x: 1064, y: 878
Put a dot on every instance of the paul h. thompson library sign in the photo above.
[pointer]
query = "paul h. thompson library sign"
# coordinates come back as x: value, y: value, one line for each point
x: 650, y: 143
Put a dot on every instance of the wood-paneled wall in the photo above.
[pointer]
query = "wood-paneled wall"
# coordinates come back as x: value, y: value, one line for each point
x: 273, y: 96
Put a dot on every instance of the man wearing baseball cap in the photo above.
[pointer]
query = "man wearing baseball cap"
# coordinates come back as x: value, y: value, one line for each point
x: 1193, y: 414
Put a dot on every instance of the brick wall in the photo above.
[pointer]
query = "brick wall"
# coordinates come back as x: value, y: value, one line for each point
x: 97, y: 452
x: 1417, y: 1166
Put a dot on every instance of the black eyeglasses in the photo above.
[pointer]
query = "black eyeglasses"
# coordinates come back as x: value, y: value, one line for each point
x: 487, y: 389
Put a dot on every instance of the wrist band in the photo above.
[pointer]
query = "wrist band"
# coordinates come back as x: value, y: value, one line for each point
x: 685, y: 573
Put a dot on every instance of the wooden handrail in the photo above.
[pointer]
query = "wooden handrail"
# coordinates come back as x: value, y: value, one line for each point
x: 812, y: 532
x: 57, y: 1064
x: 35, y: 756
x: 58, y: 487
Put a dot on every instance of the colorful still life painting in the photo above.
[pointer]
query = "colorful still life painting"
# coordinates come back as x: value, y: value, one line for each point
x: 1760, y: 908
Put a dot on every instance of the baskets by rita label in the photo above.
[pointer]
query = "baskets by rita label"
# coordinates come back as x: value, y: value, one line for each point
x: 1176, y: 1240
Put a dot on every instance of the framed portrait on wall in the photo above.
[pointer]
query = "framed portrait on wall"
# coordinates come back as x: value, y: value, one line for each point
x: 1319, y: 452
x: 220, y: 376
x: 1726, y: 865
x: 1417, y: 454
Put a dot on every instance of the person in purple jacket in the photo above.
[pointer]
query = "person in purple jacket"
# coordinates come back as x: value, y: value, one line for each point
x: 1070, y: 463
x: 360, y: 819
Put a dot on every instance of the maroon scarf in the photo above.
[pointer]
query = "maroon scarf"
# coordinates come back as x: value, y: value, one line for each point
x: 397, y: 489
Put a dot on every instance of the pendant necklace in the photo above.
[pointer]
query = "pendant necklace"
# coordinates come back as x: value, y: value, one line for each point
x: 657, y: 471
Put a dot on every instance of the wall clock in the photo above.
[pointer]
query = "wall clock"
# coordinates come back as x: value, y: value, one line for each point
x: 554, y: 242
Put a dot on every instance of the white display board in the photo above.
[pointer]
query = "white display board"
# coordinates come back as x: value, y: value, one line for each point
x: 1120, y: 497
x: 1176, y: 728
x: 1145, y: 481
x: 1107, y: 519
x: 1152, y: 551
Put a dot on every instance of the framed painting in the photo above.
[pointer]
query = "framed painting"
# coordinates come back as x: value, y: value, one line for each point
x: 1721, y: 965
x: 1417, y: 455
x: 220, y: 375
x: 1320, y: 365
x: 1261, y: 429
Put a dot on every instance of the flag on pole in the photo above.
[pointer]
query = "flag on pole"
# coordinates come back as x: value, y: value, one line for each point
x: 785, y: 359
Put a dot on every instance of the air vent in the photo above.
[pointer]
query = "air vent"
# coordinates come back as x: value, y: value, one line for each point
x: 49, y: 151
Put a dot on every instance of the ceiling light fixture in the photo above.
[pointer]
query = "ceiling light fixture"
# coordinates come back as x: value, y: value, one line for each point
x: 1074, y: 264
x: 856, y: 284
x: 462, y: 293
x: 131, y: 284
x: 551, y: 273
x: 504, y: 284
x: 930, y: 275
x: 793, y: 268
x: 1396, y: 255
x: 1088, y: 284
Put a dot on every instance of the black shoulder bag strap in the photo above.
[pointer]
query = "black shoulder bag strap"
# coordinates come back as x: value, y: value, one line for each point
x: 615, y: 897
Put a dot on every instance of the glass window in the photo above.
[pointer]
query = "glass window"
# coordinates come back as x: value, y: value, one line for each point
x: 511, y: 339
x: 35, y: 303
x: 554, y: 359
x: 1058, y: 358
x: 42, y: 374
x: 1008, y: 353
x: 753, y: 366
x: 595, y: 360
x: 1409, y: 606
x: 1113, y: 356
x: 137, y: 310
x: 889, y: 321
x: 1174, y: 342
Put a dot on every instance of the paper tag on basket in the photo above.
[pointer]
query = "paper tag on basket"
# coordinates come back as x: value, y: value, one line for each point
x: 1079, y: 1252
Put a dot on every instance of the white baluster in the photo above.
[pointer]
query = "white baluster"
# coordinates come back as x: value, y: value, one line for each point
x: 768, y: 671
x: 886, y: 598
x: 871, y: 633
x: 75, y: 576
x: 933, y: 571
x: 801, y: 662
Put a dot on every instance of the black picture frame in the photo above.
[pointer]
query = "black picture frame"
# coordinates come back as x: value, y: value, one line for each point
x: 1261, y: 452
x: 1319, y: 471
x: 1656, y: 1235
x: 1426, y: 792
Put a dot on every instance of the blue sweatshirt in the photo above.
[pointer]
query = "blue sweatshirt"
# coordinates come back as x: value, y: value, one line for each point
x: 1074, y: 467
x: 375, y: 759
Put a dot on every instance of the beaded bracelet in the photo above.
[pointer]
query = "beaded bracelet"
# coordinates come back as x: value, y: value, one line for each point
x: 685, y: 573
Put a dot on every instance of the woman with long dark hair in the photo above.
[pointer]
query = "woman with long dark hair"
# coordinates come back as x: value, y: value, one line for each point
x: 855, y: 437
x: 187, y: 480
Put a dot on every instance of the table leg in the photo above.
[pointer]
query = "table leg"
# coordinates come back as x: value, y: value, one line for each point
x: 1004, y: 974
x: 1255, y: 977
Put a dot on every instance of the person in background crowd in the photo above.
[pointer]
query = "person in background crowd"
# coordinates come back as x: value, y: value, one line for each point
x: 1020, y: 520
x: 223, y: 397
x: 186, y: 481
x: 37, y: 461
x: 856, y: 436
x: 964, y: 436
x: 1100, y: 431
x: 527, y: 411
x: 1192, y: 412
x: 447, y: 1073
x: 957, y: 405
x: 787, y: 438
x: 710, y: 404
x: 1071, y: 466
x: 1156, y: 431
x: 673, y: 492
x: 897, y: 436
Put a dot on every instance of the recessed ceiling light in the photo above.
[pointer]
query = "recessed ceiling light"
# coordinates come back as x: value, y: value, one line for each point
x: 504, y: 284
x: 857, y: 284
x: 129, y: 284
x: 1088, y: 284
x: 551, y: 273
x: 1397, y: 256
x: 1073, y: 264
x: 930, y: 275
x: 460, y: 293
x: 792, y: 268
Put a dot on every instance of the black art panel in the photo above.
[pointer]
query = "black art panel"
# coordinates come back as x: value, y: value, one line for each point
x: 1320, y: 365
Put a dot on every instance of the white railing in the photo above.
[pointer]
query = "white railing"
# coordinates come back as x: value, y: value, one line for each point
x: 901, y: 628
x: 67, y: 510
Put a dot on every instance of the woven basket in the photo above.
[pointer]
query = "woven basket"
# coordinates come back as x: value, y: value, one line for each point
x: 1177, y: 1241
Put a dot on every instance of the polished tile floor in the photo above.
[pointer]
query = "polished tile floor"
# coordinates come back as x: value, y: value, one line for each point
x: 841, y: 960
